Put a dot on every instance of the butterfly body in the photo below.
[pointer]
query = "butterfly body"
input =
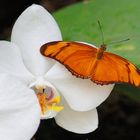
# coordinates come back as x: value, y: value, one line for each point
x: 100, y: 51
x: 88, y: 62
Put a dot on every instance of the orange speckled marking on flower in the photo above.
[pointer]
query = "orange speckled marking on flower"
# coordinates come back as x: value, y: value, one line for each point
x: 42, y: 101
x: 48, y: 105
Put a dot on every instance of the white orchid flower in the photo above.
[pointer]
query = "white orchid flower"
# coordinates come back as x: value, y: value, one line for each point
x: 25, y: 75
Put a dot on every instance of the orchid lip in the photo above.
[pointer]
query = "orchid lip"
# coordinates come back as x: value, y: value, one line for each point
x: 48, y: 98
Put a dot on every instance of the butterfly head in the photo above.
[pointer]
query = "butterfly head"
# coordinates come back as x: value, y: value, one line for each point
x: 103, y: 47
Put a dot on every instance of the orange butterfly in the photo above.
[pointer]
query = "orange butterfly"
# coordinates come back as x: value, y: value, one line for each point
x: 85, y: 61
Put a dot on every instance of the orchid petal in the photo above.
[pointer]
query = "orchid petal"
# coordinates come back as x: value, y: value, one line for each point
x: 11, y: 61
x: 32, y: 29
x: 78, y: 122
x: 81, y: 95
x: 19, y: 109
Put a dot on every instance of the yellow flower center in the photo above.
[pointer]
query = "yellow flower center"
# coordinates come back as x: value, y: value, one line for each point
x: 48, y: 101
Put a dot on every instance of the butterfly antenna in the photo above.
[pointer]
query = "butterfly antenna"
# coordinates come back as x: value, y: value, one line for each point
x: 120, y: 41
x: 102, y: 35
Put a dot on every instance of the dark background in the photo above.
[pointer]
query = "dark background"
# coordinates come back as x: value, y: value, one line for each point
x: 119, y: 115
x: 11, y: 9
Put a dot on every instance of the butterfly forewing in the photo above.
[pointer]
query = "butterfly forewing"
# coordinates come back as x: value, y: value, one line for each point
x: 79, y: 58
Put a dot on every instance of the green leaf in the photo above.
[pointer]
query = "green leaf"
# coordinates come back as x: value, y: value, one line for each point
x: 119, y: 19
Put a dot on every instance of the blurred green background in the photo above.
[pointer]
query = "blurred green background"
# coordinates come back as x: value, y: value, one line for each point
x: 120, y: 114
x: 120, y: 20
